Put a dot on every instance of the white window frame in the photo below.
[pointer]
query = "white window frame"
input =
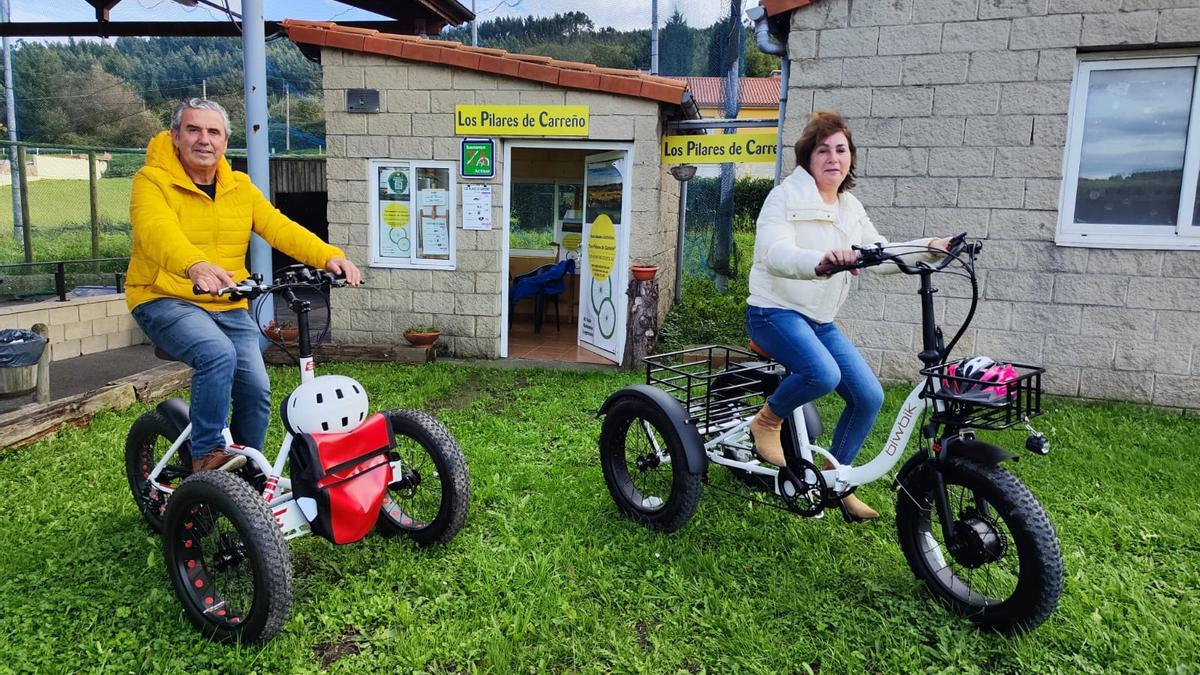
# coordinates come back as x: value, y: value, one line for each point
x: 1185, y: 234
x: 414, y: 261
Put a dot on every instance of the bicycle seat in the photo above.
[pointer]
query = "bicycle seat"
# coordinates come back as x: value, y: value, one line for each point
x: 759, y: 350
x: 159, y: 353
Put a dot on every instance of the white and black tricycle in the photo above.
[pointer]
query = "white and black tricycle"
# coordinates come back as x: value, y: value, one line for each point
x: 340, y: 473
x: 969, y: 529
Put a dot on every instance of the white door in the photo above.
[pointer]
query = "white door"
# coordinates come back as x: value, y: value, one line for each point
x: 604, y: 274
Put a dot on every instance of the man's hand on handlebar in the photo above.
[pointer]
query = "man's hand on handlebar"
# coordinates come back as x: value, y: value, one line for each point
x: 209, y: 278
x: 835, y: 259
x: 345, y: 269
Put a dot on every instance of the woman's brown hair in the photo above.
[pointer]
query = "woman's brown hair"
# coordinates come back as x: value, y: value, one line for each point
x: 821, y: 125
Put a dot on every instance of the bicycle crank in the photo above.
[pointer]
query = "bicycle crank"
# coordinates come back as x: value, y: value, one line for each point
x: 802, y: 487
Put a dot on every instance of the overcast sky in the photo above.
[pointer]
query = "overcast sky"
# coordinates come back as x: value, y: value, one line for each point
x: 621, y: 14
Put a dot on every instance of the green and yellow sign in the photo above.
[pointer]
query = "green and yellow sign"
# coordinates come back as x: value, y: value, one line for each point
x: 719, y: 148
x: 478, y: 158
x: 521, y: 120
x: 602, y: 247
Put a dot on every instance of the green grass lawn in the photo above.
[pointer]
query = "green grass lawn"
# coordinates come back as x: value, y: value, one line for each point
x: 61, y: 214
x: 546, y: 577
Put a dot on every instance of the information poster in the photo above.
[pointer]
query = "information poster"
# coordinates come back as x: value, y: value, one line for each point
x: 435, y: 223
x: 395, y: 214
x: 477, y: 207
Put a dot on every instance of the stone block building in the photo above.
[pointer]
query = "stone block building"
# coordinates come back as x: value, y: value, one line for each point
x: 398, y: 109
x: 1066, y: 133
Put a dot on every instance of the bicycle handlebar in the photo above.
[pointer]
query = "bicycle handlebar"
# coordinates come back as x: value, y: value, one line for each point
x: 296, y: 275
x: 872, y: 255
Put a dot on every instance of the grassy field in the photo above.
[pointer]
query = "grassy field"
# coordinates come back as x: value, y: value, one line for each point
x: 547, y: 577
x: 61, y: 214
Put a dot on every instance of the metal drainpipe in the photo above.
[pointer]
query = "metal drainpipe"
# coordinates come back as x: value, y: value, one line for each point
x: 762, y: 32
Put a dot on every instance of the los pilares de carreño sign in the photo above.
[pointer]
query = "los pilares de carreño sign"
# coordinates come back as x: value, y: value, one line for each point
x: 719, y: 148
x: 521, y: 120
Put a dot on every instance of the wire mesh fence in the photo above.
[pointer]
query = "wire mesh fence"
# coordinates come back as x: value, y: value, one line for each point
x: 76, y: 211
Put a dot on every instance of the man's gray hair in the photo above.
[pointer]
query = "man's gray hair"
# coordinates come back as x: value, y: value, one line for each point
x: 198, y: 104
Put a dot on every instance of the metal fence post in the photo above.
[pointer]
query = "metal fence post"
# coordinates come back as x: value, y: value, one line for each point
x: 60, y: 280
x: 95, y: 206
x: 28, y: 226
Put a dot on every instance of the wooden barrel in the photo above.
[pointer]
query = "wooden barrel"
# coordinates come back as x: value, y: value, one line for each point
x: 17, y: 382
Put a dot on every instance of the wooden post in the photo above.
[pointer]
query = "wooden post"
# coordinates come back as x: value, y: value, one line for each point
x: 21, y: 175
x: 642, y: 332
x: 95, y: 204
x: 43, y: 366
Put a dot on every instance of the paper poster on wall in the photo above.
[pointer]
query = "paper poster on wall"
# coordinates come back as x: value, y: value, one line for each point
x: 477, y: 207
x: 599, y: 317
x: 394, y: 239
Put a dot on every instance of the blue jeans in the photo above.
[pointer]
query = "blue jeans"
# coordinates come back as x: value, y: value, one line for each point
x: 223, y: 349
x: 819, y: 359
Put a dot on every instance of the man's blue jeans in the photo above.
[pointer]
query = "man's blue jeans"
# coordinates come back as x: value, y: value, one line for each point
x: 819, y: 359
x: 223, y: 349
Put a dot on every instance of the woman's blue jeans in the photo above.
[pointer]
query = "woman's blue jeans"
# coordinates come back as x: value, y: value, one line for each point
x: 223, y: 350
x: 819, y: 359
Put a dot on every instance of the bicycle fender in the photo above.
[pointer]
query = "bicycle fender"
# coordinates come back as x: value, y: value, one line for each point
x: 977, y: 451
x: 176, y: 412
x: 693, y: 445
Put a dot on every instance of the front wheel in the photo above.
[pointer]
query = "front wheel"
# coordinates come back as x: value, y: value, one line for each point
x: 1002, y: 567
x: 149, y: 439
x: 227, y: 559
x: 645, y: 466
x: 430, y: 492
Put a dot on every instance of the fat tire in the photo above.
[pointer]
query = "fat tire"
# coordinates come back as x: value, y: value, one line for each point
x: 267, y: 552
x: 679, y: 506
x: 440, y: 446
x: 149, y: 426
x: 1040, y: 579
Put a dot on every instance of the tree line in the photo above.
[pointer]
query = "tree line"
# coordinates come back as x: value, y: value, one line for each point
x: 120, y: 93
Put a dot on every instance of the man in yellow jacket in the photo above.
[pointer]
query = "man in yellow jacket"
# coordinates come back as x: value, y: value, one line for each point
x: 192, y: 217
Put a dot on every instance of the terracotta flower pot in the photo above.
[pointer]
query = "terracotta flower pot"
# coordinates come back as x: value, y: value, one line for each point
x: 285, y: 334
x: 644, y: 272
x: 421, y: 339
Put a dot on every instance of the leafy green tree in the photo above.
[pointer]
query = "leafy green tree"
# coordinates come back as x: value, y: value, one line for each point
x: 675, y: 46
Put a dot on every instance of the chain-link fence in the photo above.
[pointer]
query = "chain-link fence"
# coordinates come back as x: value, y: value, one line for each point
x: 71, y: 234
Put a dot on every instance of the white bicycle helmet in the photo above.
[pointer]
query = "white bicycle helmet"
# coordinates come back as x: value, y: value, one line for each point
x: 327, y: 404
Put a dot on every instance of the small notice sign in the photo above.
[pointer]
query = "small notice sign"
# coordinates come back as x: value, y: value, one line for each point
x: 477, y: 207
x: 521, y: 120
x: 719, y: 148
x: 478, y: 158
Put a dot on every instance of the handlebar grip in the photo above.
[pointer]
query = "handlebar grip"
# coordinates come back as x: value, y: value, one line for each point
x: 196, y: 290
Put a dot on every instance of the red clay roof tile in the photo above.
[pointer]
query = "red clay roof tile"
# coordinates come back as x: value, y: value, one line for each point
x: 497, y: 61
x: 774, y: 7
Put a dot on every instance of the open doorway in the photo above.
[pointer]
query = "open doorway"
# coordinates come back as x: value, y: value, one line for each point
x: 549, y: 273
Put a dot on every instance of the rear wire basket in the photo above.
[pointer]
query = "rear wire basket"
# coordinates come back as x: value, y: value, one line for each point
x: 986, y: 405
x: 715, y: 384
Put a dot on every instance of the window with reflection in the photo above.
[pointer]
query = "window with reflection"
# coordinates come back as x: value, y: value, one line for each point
x: 1133, y: 146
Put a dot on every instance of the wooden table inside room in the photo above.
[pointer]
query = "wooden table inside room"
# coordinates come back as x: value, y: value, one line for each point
x: 523, y: 263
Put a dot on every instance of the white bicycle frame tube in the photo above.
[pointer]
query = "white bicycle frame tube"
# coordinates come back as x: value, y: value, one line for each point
x: 841, y: 477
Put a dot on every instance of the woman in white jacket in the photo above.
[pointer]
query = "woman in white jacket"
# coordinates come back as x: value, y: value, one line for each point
x: 807, y: 225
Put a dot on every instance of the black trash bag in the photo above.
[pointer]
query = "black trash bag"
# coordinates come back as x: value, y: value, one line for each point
x: 20, y: 347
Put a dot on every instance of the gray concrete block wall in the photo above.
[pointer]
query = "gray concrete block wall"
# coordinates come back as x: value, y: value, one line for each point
x: 416, y: 122
x: 959, y: 111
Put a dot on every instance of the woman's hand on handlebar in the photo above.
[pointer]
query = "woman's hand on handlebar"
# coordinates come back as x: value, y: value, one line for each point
x: 345, y: 269
x: 940, y: 244
x: 209, y: 278
x: 837, y: 258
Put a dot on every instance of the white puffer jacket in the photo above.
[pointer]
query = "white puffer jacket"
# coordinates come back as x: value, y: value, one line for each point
x: 795, y: 229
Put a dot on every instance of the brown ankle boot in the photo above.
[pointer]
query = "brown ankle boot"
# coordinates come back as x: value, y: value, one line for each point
x: 764, y: 428
x: 856, y: 507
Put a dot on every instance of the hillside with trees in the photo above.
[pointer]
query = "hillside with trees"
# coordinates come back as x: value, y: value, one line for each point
x: 119, y: 93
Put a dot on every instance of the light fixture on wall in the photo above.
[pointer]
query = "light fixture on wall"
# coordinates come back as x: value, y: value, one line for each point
x: 682, y: 173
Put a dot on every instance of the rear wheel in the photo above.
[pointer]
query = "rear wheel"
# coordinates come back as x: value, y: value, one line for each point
x: 645, y: 466
x: 149, y: 439
x: 430, y: 492
x: 228, y: 561
x: 1002, y: 567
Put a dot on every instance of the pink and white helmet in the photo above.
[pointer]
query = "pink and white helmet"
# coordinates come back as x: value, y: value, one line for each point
x: 981, y: 370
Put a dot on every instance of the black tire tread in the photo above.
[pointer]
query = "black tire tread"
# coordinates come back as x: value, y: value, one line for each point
x: 416, y: 424
x: 266, y: 536
x: 683, y: 501
x: 149, y: 423
x: 1028, y: 521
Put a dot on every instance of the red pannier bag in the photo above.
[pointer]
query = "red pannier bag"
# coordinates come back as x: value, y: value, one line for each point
x: 347, y: 475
